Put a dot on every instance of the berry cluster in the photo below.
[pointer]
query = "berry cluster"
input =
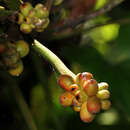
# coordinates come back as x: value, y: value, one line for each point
x: 11, y: 54
x: 33, y: 18
x: 84, y: 94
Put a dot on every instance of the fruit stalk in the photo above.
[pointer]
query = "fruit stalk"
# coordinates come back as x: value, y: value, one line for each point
x: 52, y: 58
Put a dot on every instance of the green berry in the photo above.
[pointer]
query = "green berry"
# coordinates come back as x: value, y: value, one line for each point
x: 25, y: 8
x: 102, y: 85
x: 18, y: 70
x: 103, y: 94
x: 85, y: 115
x: 41, y: 11
x: 93, y: 104
x: 25, y: 28
x: 65, y: 81
x: 57, y: 2
x: 105, y: 104
x: 20, y: 18
x: 90, y: 87
x: 22, y: 47
x: 66, y: 99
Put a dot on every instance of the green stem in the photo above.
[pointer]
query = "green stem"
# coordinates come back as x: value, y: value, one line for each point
x: 52, y: 58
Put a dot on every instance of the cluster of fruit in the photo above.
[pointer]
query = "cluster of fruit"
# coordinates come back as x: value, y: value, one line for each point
x: 31, y: 18
x: 11, y: 54
x: 84, y: 94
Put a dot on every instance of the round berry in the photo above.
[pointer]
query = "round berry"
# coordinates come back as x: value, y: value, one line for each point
x: 22, y: 47
x: 65, y: 81
x: 90, y: 87
x: 102, y: 85
x: 73, y: 88
x: 76, y: 108
x: 25, y: 8
x: 93, y: 104
x: 18, y: 70
x: 105, y: 104
x: 20, y: 18
x: 82, y: 77
x: 41, y: 11
x: 103, y: 94
x: 25, y: 28
x: 85, y: 115
x: 66, y: 99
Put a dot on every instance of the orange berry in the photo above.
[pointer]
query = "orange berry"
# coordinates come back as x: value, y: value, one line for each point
x: 93, y: 104
x: 85, y: 115
x: 66, y: 99
x: 65, y: 81
x: 90, y: 87
x: 82, y: 77
x: 76, y: 108
x: 73, y: 88
x: 105, y: 104
x: 103, y: 94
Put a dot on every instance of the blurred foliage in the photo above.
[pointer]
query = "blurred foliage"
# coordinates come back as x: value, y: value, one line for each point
x: 104, y: 51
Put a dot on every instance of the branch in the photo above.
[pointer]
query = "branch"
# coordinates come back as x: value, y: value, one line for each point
x: 52, y: 58
x: 74, y: 23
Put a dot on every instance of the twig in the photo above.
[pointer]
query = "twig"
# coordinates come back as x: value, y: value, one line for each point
x: 74, y: 23
x: 49, y: 4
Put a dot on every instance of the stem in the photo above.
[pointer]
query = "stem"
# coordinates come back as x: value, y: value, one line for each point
x: 74, y: 23
x: 52, y: 58
x: 49, y: 4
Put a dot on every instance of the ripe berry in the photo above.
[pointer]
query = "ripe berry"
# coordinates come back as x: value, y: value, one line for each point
x: 66, y: 99
x: 18, y: 70
x: 26, y: 28
x: 103, y: 94
x: 57, y: 2
x: 105, y: 104
x: 22, y: 47
x: 73, y: 88
x: 65, y: 81
x: 82, y: 77
x: 90, y: 87
x: 85, y: 115
x: 93, y: 104
x: 102, y: 85
x: 25, y: 8
x: 41, y: 11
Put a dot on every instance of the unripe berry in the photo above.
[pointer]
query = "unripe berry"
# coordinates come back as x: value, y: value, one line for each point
x: 22, y: 47
x: 66, y: 99
x: 65, y: 81
x: 42, y: 24
x: 32, y: 13
x: 82, y: 77
x: 25, y: 8
x: 57, y: 2
x: 93, y: 104
x: 105, y: 104
x: 85, y: 115
x: 90, y: 87
x: 18, y: 70
x: 76, y: 108
x: 102, y: 85
x: 103, y: 94
x: 20, y: 18
x: 41, y: 11
x: 26, y: 28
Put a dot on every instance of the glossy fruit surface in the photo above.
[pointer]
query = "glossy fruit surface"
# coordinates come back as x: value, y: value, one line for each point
x: 93, y: 104
x: 103, y: 94
x: 90, y: 87
x: 26, y: 28
x: 22, y: 47
x: 102, y: 85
